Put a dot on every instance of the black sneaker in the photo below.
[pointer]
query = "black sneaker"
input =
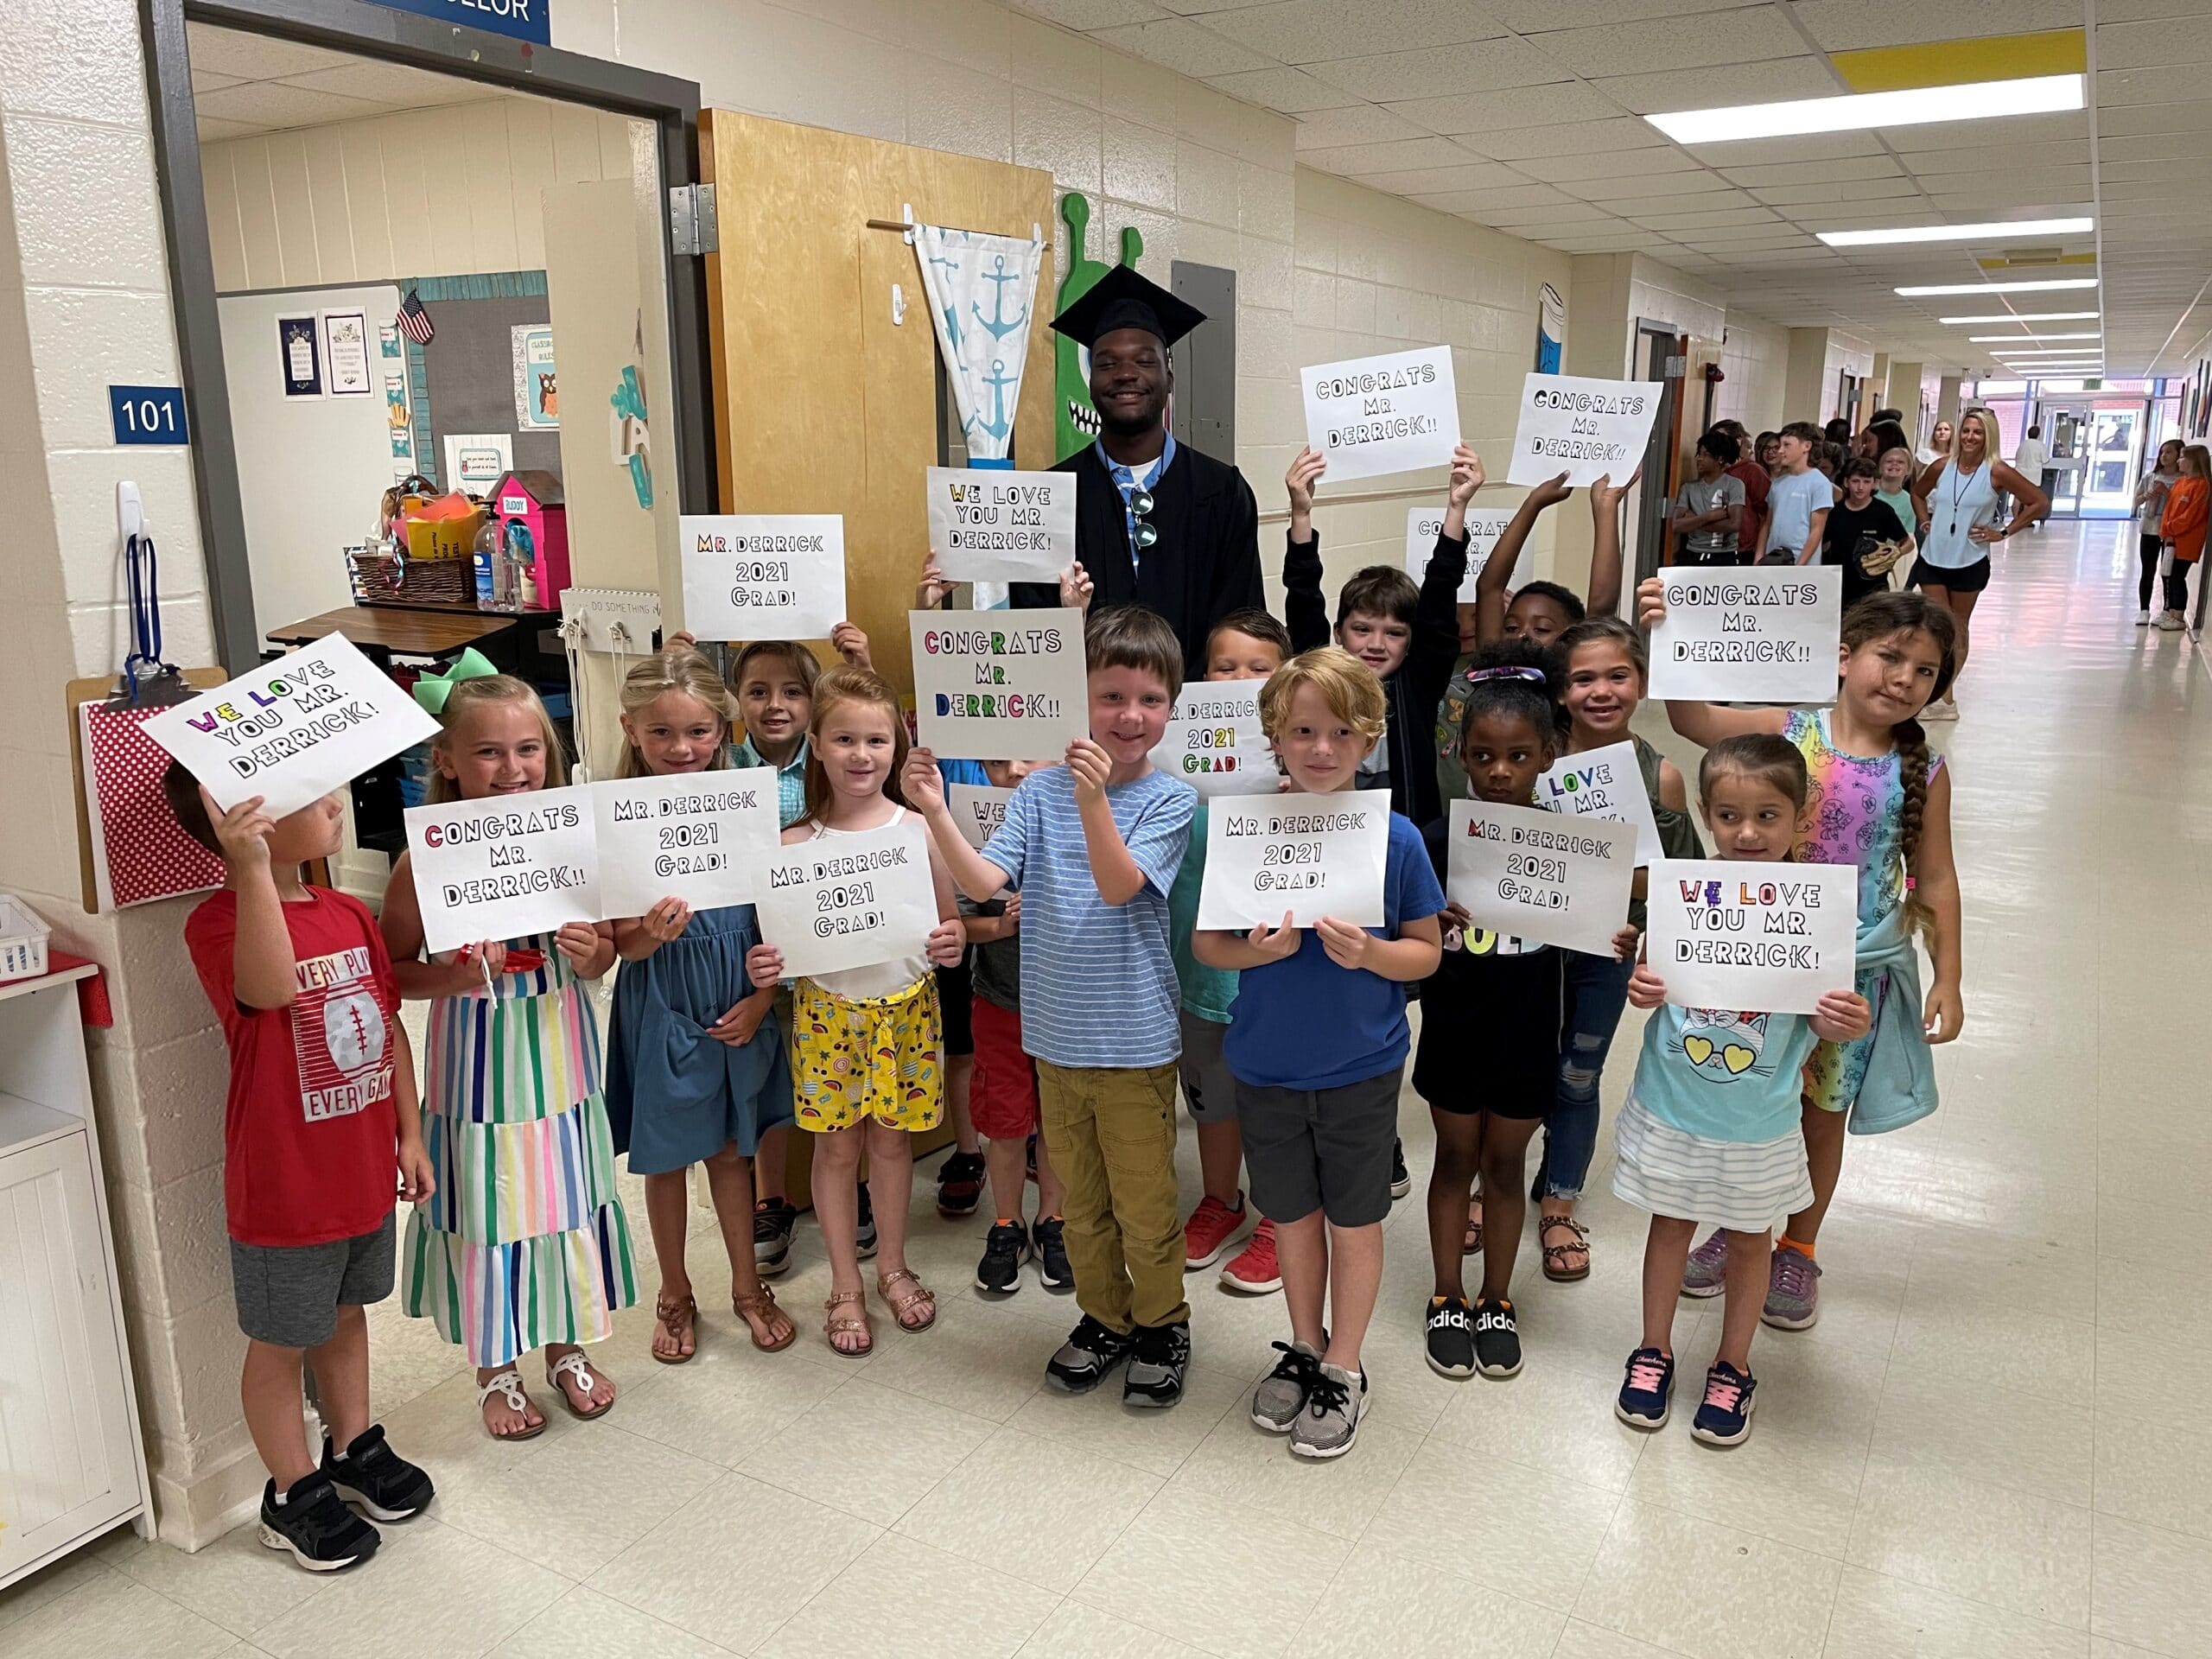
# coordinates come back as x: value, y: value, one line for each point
x: 1402, y: 1182
x: 1498, y: 1338
x: 864, y: 1233
x: 1004, y: 1252
x: 1161, y: 1354
x: 1082, y: 1361
x: 315, y: 1524
x: 1048, y: 1244
x: 1450, y: 1336
x: 959, y: 1184
x: 377, y: 1477
x: 772, y: 1222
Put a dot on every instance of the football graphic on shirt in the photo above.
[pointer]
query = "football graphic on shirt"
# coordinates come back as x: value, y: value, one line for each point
x: 353, y: 1030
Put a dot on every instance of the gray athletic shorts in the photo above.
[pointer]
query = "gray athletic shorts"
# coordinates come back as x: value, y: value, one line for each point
x: 1326, y: 1149
x: 1209, y: 1090
x: 289, y: 1295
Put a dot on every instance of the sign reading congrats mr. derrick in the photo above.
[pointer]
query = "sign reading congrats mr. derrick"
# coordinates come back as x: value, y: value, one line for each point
x: 1374, y: 415
x: 847, y: 901
x: 1749, y: 635
x: 763, y: 576
x: 1759, y: 938
x: 1586, y: 429
x: 1313, y: 856
x: 1424, y: 524
x: 1537, y: 876
x: 988, y: 525
x: 497, y: 868
x: 293, y: 730
x: 698, y: 837
x: 999, y: 685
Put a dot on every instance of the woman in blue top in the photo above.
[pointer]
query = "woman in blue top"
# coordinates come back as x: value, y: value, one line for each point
x: 1961, y: 491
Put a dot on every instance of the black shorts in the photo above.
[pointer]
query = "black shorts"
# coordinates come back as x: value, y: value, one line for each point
x: 289, y: 1295
x: 1489, y: 1036
x: 1966, y: 579
x: 956, y: 989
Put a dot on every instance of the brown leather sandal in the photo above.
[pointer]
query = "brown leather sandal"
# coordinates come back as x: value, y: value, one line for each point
x: 839, y: 1325
x: 761, y: 1305
x: 901, y: 1305
x: 1471, y: 1244
x: 680, y: 1315
x: 1555, y: 1267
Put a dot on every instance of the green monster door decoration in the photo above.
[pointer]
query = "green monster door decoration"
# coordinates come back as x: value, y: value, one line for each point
x: 1074, y: 416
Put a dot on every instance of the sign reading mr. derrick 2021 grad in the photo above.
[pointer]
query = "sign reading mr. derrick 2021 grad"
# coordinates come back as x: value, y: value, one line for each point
x: 999, y: 685
x: 1538, y: 876
x: 498, y: 868
x: 1586, y: 429
x: 989, y: 525
x: 1215, y: 744
x: 1313, y: 855
x: 1398, y: 413
x: 699, y: 836
x: 1759, y: 938
x: 763, y: 576
x: 1750, y: 635
x: 848, y: 900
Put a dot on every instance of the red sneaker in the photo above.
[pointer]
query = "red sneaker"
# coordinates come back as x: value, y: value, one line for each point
x: 1211, y: 1227
x: 1254, y: 1271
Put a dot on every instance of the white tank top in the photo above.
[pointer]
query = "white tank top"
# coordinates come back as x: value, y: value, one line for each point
x: 1955, y: 506
x: 878, y: 978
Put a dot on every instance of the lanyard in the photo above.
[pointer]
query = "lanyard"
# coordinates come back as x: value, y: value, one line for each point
x: 142, y: 584
x: 1956, y: 482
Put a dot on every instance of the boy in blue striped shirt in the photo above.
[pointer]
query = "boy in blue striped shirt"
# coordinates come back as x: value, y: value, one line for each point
x: 1093, y: 844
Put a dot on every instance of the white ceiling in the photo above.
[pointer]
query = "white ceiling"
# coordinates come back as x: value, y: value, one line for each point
x: 1529, y: 124
x: 247, y: 83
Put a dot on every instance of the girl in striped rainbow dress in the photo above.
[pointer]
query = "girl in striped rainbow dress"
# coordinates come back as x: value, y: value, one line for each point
x: 524, y: 1245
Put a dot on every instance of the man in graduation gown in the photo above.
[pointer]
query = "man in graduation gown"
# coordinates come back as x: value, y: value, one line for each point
x: 1157, y: 523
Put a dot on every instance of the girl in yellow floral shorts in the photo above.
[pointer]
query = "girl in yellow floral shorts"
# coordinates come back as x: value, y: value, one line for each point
x: 867, y: 1046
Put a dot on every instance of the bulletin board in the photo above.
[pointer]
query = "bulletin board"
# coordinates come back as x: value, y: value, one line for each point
x: 464, y: 378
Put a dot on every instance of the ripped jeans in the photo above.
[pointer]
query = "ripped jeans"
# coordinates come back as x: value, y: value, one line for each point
x: 1597, y: 991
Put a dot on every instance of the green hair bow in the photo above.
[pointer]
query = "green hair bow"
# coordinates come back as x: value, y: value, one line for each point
x: 431, y: 691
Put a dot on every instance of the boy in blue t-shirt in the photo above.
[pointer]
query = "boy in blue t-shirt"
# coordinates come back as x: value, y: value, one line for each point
x: 1318, y: 1041
x: 1093, y: 845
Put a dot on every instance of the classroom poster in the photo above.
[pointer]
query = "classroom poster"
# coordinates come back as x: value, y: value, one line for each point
x: 345, y: 354
x: 1522, y: 871
x: 1584, y: 427
x: 503, y: 868
x: 1603, y: 783
x: 1214, y: 742
x: 763, y: 576
x: 476, y: 461
x: 293, y: 730
x: 999, y: 685
x: 537, y: 391
x: 299, y: 355
x: 978, y: 810
x: 1397, y: 413
x: 1761, y: 939
x: 1750, y: 635
x: 1313, y: 855
x: 989, y: 525
x: 1425, y: 525
x: 849, y: 901
x: 699, y: 836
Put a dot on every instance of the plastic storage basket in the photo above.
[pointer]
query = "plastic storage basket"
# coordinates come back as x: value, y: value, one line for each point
x: 23, y: 940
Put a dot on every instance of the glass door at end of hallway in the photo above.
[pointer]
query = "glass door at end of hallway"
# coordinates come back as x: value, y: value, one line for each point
x: 2095, y: 452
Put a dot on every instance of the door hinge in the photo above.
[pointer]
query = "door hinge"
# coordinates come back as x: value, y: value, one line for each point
x: 692, y: 227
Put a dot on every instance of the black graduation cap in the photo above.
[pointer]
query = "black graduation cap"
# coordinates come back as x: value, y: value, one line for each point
x: 1122, y: 299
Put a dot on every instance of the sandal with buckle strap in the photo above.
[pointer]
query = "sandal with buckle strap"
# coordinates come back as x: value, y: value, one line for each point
x: 573, y: 1364
x: 761, y: 1305
x: 838, y: 1324
x: 1555, y: 1267
x: 1471, y: 1243
x: 901, y: 1305
x: 509, y: 1384
x: 680, y: 1315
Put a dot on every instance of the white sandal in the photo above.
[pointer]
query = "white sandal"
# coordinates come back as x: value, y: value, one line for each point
x: 573, y: 1364
x: 509, y: 1384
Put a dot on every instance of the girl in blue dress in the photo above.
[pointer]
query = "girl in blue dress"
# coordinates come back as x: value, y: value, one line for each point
x: 695, y: 1065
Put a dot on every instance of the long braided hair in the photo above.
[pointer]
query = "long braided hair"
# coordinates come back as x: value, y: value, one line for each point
x: 1878, y: 616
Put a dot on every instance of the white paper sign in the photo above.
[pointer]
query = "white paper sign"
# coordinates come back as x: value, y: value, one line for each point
x: 701, y: 837
x: 1749, y: 635
x: 293, y: 730
x: 978, y: 809
x: 1759, y: 938
x: 499, y: 868
x: 1586, y: 429
x: 986, y: 526
x: 1425, y: 525
x: 999, y: 685
x: 763, y: 576
x: 1214, y: 742
x: 849, y: 901
x: 476, y: 461
x: 1525, y: 871
x: 1313, y: 856
x: 1397, y: 413
x: 1603, y: 783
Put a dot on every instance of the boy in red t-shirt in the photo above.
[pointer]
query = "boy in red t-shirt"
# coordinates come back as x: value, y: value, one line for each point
x: 320, y: 1130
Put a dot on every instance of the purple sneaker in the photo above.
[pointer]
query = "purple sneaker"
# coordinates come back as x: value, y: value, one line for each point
x: 1793, y: 1290
x: 1706, y: 1272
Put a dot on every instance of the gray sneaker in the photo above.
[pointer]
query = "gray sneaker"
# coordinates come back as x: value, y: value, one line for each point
x: 1325, y: 1427
x: 1705, y: 1272
x: 1282, y: 1393
x: 1793, y: 1290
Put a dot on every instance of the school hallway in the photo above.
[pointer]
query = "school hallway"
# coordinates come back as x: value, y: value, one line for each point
x: 1991, y: 1444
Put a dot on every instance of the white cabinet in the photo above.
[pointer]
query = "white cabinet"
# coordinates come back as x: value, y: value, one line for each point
x: 72, y: 1464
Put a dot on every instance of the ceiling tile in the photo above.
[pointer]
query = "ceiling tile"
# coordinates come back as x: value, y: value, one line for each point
x: 1503, y: 195
x: 2150, y: 147
x: 1291, y: 91
x: 1617, y: 164
x: 394, y: 86
x: 1356, y: 123
x: 1716, y: 88
x: 1574, y: 212
x: 212, y: 131
x: 1393, y: 77
x: 1508, y: 108
x: 2143, y: 46
x: 1178, y: 44
x: 1435, y: 179
x: 1531, y: 17
x: 2162, y: 85
x: 1934, y: 163
x: 1310, y: 31
x: 1817, y: 147
x: 1632, y: 242
x: 273, y: 106
x: 1704, y: 220
x: 254, y: 57
x: 1753, y: 34
x: 1847, y: 167
x: 206, y: 80
x: 1396, y: 156
x: 1849, y: 25
x: 1707, y: 203
x: 1646, y: 186
x: 2008, y: 130
x: 1573, y: 138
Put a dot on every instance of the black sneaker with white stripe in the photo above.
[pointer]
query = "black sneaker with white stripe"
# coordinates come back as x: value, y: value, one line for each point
x: 1401, y: 1181
x: 1048, y: 1247
x: 1497, y: 1337
x: 1450, y: 1336
x: 314, y: 1523
x: 1082, y: 1362
x: 1004, y: 1251
x: 1161, y: 1355
x: 376, y: 1478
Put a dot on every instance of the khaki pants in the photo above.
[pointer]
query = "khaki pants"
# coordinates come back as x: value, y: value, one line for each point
x: 1112, y: 1133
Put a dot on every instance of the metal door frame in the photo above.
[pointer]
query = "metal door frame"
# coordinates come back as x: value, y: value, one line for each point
x: 1656, y: 342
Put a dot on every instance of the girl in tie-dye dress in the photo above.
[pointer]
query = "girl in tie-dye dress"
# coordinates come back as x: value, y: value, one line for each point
x: 524, y: 1245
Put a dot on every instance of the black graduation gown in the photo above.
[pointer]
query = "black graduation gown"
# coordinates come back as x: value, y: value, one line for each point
x: 1206, y: 564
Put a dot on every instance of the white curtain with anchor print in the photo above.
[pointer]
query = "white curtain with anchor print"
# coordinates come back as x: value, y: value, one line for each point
x: 981, y: 290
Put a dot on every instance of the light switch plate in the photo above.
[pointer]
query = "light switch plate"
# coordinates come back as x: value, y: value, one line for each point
x: 604, y: 609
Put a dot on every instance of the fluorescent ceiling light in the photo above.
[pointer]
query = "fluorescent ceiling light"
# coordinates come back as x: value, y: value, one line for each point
x: 1975, y: 101
x: 1994, y: 231
x: 2047, y: 287
x: 2024, y: 340
x: 2026, y: 316
x: 2071, y: 350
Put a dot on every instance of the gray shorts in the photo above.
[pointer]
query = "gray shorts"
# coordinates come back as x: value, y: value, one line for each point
x: 1326, y: 1149
x: 289, y: 1295
x: 1209, y: 1090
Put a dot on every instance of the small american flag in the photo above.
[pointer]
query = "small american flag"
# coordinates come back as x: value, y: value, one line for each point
x: 414, y: 321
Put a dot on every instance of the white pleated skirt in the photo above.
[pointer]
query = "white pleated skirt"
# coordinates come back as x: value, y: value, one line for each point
x: 1750, y: 1186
